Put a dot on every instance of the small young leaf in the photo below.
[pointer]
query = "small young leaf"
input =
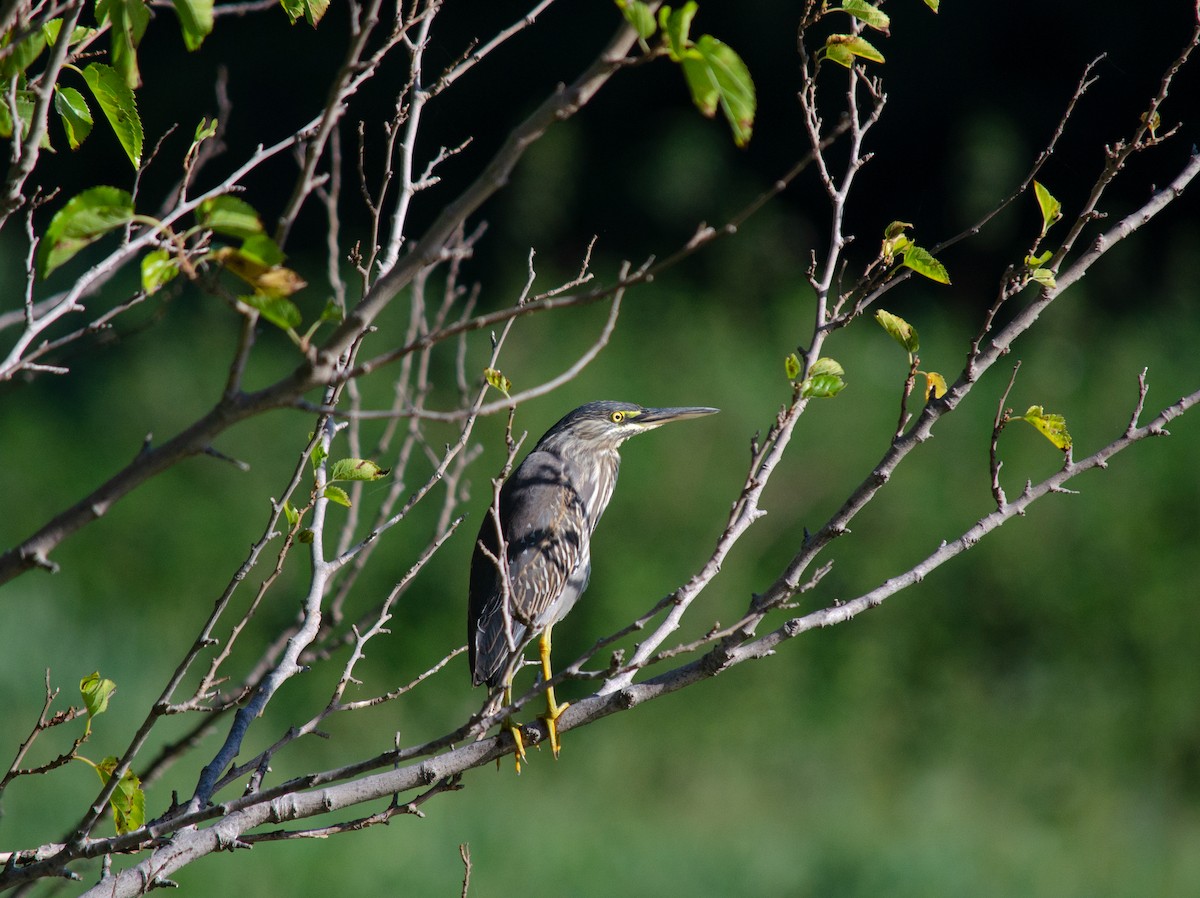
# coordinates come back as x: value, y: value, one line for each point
x: 935, y: 385
x: 1035, y: 261
x: 278, y: 310
x: 920, y: 261
x: 231, y: 216
x: 843, y: 48
x: 497, y: 380
x: 195, y: 20
x: 717, y: 76
x: 638, y: 15
x: 261, y: 249
x: 676, y: 25
x: 338, y: 495
x: 72, y: 108
x: 865, y: 12
x: 356, y: 469
x: 306, y: 536
x: 1052, y: 427
x: 896, y: 229
x: 899, y: 329
x: 95, y: 691
x: 331, y: 312
x: 119, y: 107
x: 1152, y: 121
x: 158, y: 268
x: 290, y: 513
x: 85, y: 218
x: 312, y: 10
x: 825, y: 366
x: 825, y: 386
x: 933, y: 4
x: 1051, y: 208
x: 318, y: 455
x: 791, y: 366
x: 205, y: 130
x: 1045, y: 277
x: 128, y: 800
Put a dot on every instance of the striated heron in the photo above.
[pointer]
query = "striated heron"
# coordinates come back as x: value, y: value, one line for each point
x: 548, y: 510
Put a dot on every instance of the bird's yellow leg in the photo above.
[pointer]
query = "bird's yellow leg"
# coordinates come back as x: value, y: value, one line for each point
x: 553, y: 709
x: 514, y: 730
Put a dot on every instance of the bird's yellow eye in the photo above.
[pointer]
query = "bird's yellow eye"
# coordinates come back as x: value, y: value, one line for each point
x: 617, y: 417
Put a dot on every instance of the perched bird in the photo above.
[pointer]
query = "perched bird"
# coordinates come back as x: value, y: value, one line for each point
x: 547, y: 511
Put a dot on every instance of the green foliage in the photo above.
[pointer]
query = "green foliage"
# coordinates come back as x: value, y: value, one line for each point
x: 899, y: 330
x: 356, y: 469
x: 311, y: 10
x: 128, y: 20
x: 95, y: 692
x: 715, y: 74
x: 1043, y: 276
x: 85, y: 218
x: 497, y: 380
x: 792, y: 366
x: 338, y: 495
x: 1050, y: 207
x: 73, y: 110
x: 896, y: 242
x: 824, y: 380
x: 845, y: 48
x: 1052, y: 427
x: 128, y: 801
x: 231, y: 216
x: 866, y: 13
x: 195, y: 20
x: 119, y: 106
x: 158, y: 268
x: 278, y: 310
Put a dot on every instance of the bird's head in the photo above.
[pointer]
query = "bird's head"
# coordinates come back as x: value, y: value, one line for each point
x: 606, y: 425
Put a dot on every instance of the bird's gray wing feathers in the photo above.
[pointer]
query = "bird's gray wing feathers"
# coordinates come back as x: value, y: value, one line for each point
x: 548, y: 563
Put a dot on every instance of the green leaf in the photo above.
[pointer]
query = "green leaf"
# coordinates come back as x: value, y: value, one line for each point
x: 497, y: 380
x: 95, y: 691
x: 119, y: 107
x: 85, y: 218
x: 23, y: 55
x: 72, y: 108
x: 128, y: 800
x: 159, y: 267
x: 920, y: 261
x: 825, y: 366
x: 331, y: 312
x: 843, y: 48
x: 129, y: 19
x: 26, y: 102
x: 716, y: 77
x: 311, y: 10
x: 289, y: 512
x: 262, y: 249
x: 1051, y: 208
x: 338, y: 495
x: 676, y: 25
x: 933, y: 4
x: 1052, y: 427
x: 278, y: 310
x: 900, y: 330
x: 825, y: 386
x: 640, y: 16
x: 195, y: 20
x: 318, y: 455
x: 356, y: 469
x: 791, y: 366
x: 1045, y: 277
x: 865, y: 12
x: 231, y: 216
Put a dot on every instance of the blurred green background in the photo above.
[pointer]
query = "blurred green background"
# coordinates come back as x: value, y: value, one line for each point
x: 1024, y: 722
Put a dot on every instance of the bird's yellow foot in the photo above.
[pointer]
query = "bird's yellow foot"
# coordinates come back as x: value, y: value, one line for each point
x: 514, y: 730
x: 553, y: 712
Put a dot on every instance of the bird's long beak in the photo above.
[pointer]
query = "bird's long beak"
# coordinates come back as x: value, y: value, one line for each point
x: 653, y: 417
